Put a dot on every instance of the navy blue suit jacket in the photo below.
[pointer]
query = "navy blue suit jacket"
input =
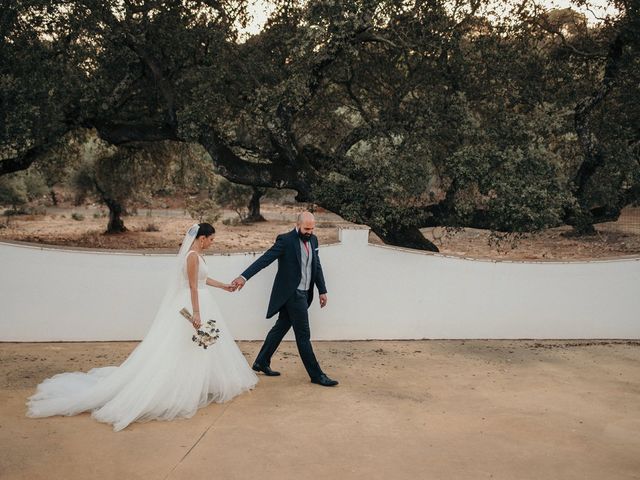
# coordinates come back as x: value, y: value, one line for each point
x: 287, y: 251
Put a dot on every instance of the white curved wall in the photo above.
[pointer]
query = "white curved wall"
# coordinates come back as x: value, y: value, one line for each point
x: 375, y: 292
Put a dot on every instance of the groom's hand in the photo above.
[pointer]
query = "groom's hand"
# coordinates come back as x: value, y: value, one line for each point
x: 239, y: 283
x: 323, y: 300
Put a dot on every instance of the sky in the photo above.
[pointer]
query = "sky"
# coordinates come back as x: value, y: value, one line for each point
x: 261, y: 9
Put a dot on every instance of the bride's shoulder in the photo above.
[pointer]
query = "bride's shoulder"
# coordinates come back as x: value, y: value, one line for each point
x: 194, y: 259
x: 191, y: 259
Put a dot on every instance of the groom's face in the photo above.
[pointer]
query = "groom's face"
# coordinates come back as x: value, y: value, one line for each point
x: 305, y: 229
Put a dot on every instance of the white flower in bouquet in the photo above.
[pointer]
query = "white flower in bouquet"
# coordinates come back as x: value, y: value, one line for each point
x: 207, y: 334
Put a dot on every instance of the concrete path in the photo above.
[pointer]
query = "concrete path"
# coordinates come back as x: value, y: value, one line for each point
x: 404, y: 410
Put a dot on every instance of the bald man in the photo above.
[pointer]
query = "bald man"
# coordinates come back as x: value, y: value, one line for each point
x: 299, y: 270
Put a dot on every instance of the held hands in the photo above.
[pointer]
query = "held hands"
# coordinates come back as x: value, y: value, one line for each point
x: 238, y: 283
x: 233, y: 286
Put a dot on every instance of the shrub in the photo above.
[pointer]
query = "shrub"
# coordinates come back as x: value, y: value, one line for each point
x: 205, y: 210
x: 151, y: 227
x: 231, y: 221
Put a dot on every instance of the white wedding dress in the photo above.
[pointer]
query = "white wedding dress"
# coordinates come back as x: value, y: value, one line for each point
x: 166, y: 376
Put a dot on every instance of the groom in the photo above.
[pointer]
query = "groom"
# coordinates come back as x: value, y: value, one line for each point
x: 299, y: 270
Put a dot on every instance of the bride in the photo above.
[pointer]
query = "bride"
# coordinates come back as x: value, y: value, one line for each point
x: 167, y: 375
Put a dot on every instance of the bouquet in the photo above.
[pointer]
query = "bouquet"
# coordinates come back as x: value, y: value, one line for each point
x: 207, y: 334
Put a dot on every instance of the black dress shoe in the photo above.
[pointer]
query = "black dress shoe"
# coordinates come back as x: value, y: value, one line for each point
x: 266, y: 370
x: 324, y: 381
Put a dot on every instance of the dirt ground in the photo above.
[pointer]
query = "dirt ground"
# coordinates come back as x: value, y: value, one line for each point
x: 57, y: 227
x: 403, y: 410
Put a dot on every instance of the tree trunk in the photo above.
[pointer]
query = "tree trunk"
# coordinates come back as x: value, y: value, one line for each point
x: 407, y: 237
x: 254, y: 205
x: 581, y: 217
x: 115, y: 225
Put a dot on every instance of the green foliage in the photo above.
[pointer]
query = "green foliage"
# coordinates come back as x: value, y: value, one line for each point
x: 233, y: 196
x: 190, y: 170
x: 204, y: 210
x: 13, y: 190
x: 395, y: 114
x: 383, y: 184
x: 119, y: 176
x: 57, y: 164
x: 21, y: 187
x: 36, y: 186
x: 483, y: 113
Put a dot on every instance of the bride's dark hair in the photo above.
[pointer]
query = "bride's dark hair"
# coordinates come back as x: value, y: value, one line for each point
x: 205, y: 229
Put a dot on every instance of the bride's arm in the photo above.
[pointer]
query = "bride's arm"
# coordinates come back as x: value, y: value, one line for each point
x: 225, y: 286
x: 192, y: 273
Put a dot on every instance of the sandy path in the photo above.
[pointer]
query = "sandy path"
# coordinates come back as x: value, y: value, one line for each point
x: 404, y: 410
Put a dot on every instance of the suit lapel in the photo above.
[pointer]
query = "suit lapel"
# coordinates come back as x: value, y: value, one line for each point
x: 313, y: 254
x: 296, y: 245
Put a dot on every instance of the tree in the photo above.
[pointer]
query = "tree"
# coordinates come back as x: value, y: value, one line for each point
x: 120, y: 175
x: 243, y: 200
x: 56, y: 165
x: 13, y: 191
x: 605, y: 114
x: 394, y: 114
x: 464, y: 122
x: 204, y: 210
x: 20, y: 188
x: 45, y: 65
x: 116, y: 176
x: 254, y: 205
x: 374, y: 121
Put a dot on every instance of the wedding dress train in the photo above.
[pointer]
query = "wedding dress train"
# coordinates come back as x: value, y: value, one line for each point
x: 166, y: 376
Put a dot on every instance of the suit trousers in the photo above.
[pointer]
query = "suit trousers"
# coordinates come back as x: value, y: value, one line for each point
x: 294, y: 313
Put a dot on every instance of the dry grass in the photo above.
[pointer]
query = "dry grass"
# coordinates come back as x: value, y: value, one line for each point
x: 162, y: 230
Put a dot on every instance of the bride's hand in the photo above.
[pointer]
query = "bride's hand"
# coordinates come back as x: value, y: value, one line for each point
x: 196, y: 321
x: 229, y: 287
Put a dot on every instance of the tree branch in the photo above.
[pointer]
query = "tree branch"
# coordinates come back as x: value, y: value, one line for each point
x: 22, y: 161
x: 592, y: 157
x: 165, y: 86
x: 369, y: 35
x: 238, y: 170
x: 554, y: 30
x: 119, y: 134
